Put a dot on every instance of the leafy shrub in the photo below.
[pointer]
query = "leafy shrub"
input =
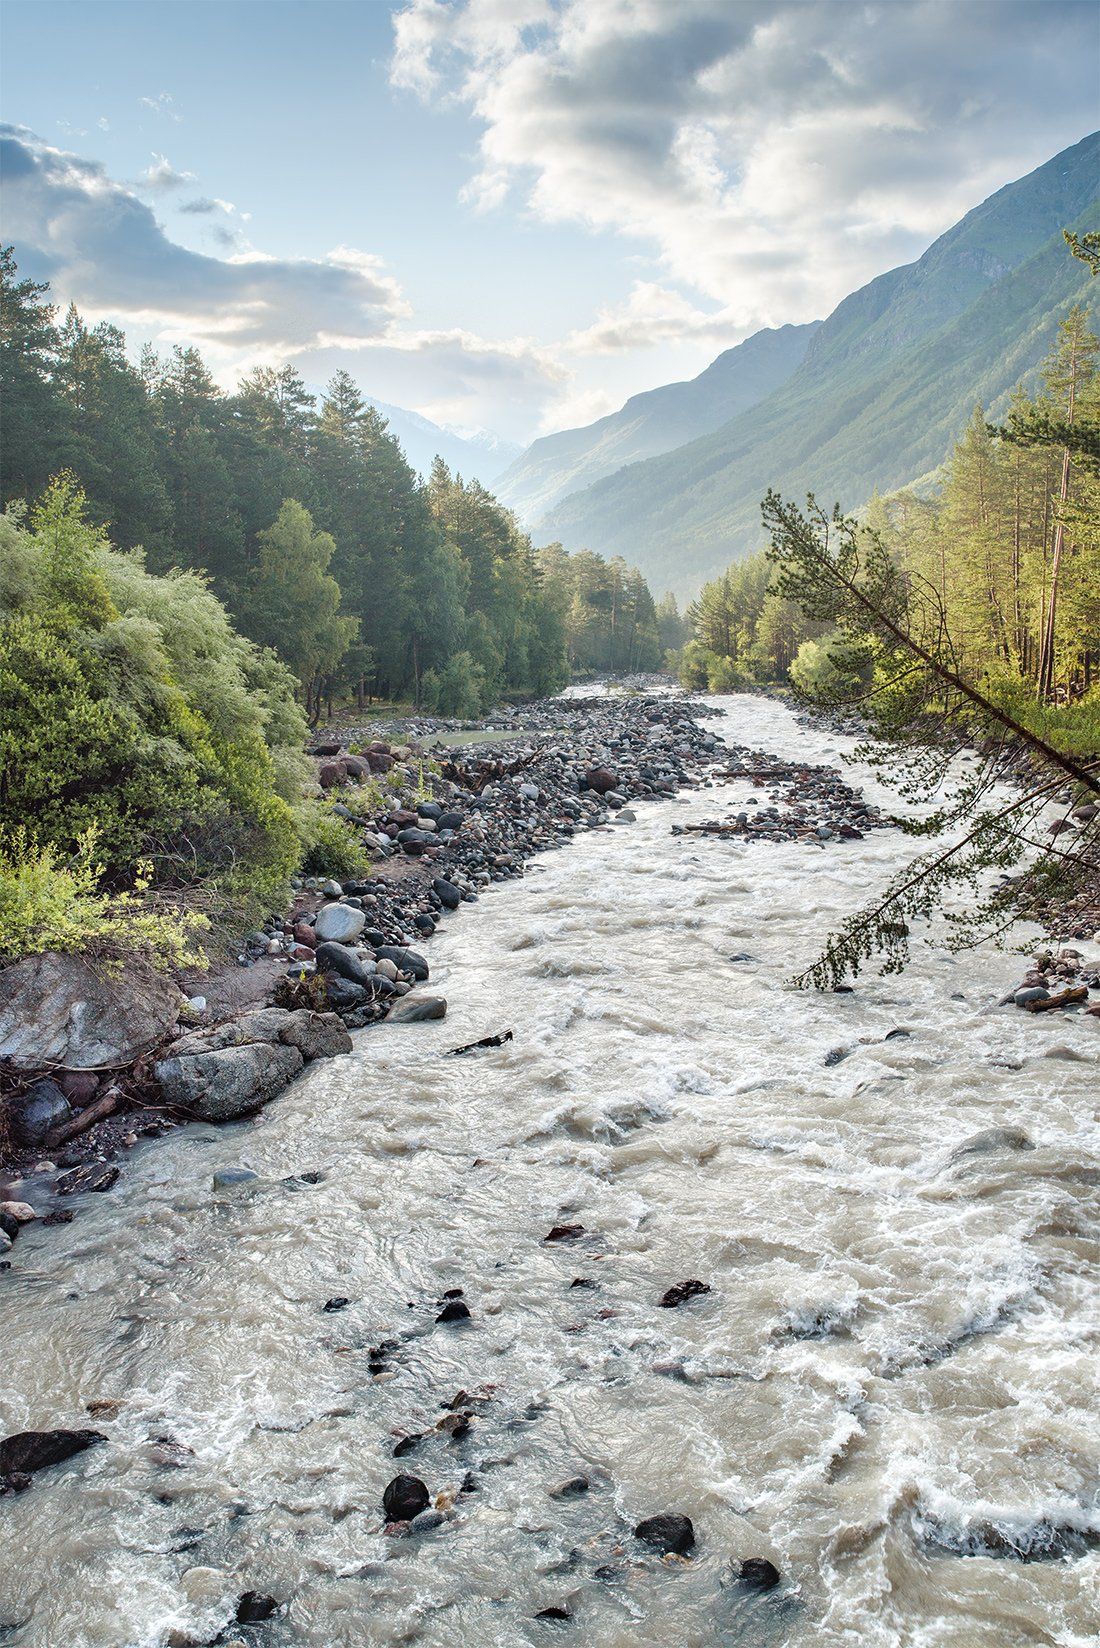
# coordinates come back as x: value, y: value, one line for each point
x: 832, y: 668
x: 329, y: 844
x: 50, y: 903
x: 724, y: 675
x: 129, y: 705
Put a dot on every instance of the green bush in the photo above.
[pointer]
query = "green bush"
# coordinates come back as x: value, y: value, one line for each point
x: 329, y: 845
x: 50, y: 903
x: 130, y: 706
x: 724, y: 676
x: 833, y: 668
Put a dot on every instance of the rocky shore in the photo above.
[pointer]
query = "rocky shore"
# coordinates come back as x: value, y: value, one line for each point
x: 92, y: 1060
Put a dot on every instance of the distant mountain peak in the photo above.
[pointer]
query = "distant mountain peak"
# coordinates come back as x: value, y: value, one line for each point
x: 655, y: 421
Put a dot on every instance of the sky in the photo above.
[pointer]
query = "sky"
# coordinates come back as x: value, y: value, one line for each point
x: 510, y: 214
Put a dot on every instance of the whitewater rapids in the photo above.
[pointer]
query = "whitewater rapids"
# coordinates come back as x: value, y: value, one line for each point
x: 890, y: 1390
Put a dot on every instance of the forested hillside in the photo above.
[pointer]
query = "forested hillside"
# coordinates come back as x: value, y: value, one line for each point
x: 319, y: 537
x: 1007, y: 550
x: 887, y: 381
x: 653, y: 422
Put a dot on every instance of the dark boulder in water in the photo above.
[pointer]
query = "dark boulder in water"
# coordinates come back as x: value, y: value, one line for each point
x: 405, y: 960
x: 254, y: 1606
x: 447, y: 893
x: 670, y: 1532
x: 405, y: 1498
x: 758, y: 1572
x: 29, y: 1451
x: 682, y: 1292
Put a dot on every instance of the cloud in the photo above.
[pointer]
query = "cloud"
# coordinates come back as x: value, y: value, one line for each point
x: 101, y: 246
x: 162, y: 175
x: 449, y: 375
x: 774, y: 154
x: 163, y: 104
x: 205, y: 206
x: 653, y: 314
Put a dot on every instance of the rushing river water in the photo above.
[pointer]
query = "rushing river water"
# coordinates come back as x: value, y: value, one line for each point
x: 889, y: 1391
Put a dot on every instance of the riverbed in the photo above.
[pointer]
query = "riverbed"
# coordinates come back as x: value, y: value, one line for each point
x: 889, y: 1390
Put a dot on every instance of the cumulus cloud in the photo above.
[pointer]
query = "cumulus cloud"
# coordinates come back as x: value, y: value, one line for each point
x: 101, y: 246
x: 161, y: 175
x: 774, y: 153
x: 451, y: 375
x: 654, y: 314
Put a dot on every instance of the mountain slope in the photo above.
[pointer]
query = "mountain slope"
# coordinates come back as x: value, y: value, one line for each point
x: 476, y: 457
x: 653, y: 422
x: 888, y: 380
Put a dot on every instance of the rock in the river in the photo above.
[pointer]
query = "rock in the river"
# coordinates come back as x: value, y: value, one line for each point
x: 61, y: 1009
x: 992, y: 1138
x: 758, y: 1572
x: 683, y: 1291
x: 226, y: 1177
x: 447, y: 893
x: 455, y: 1310
x: 572, y: 1489
x: 405, y: 960
x: 339, y: 923
x: 29, y: 1451
x: 405, y: 1498
x: 417, y: 1010
x: 1034, y: 992
x: 670, y: 1532
x: 20, y: 1212
x: 234, y: 1081
x: 36, y: 1113
x: 255, y: 1606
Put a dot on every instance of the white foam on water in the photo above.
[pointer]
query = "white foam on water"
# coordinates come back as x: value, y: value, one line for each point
x: 890, y: 1384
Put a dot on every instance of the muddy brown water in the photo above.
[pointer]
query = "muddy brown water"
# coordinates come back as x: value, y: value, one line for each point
x: 889, y: 1391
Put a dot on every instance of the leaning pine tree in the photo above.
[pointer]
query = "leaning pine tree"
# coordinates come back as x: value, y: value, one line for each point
x: 923, y: 711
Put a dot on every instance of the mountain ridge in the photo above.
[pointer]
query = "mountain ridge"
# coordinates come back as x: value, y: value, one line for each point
x: 653, y: 421
x: 886, y: 383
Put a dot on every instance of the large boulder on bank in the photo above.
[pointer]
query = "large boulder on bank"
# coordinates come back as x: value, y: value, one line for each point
x: 315, y: 1035
x: 230, y: 1081
x: 35, y: 1113
x: 337, y: 958
x: 339, y: 924
x: 600, y: 780
x: 66, y: 1010
x: 236, y: 1068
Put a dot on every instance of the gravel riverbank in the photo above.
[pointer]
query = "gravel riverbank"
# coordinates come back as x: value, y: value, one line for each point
x: 348, y: 954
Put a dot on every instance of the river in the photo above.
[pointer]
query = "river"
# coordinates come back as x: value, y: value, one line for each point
x: 889, y: 1390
